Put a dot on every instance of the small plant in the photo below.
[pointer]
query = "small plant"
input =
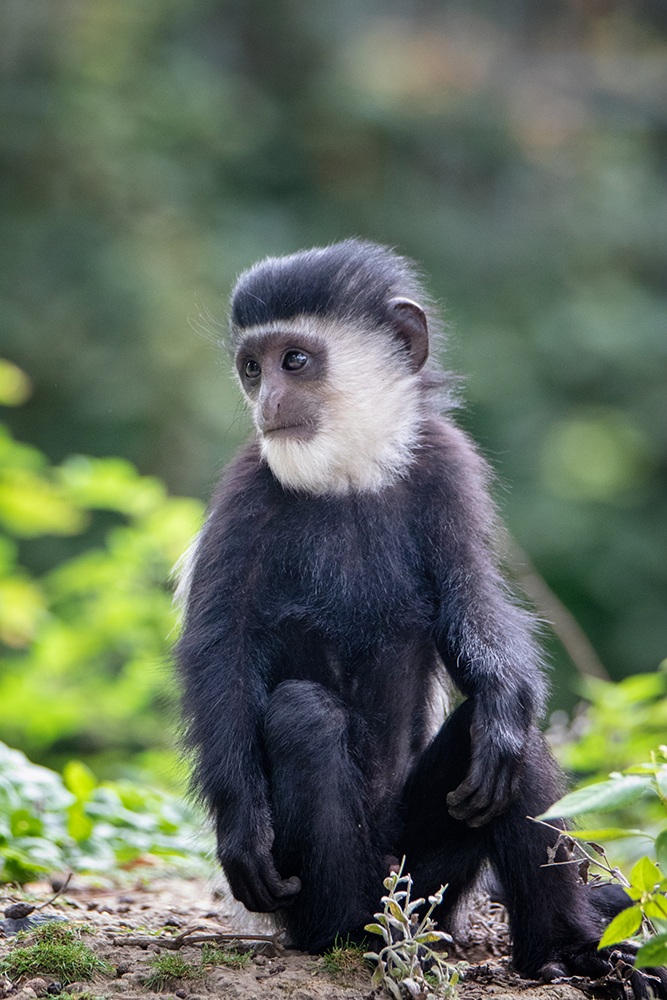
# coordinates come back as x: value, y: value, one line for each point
x: 401, y: 963
x: 169, y: 967
x: 647, y: 885
x: 344, y: 959
x: 230, y: 957
x: 57, y: 951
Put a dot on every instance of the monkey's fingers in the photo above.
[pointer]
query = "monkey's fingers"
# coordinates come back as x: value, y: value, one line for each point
x: 257, y: 884
x: 483, y: 794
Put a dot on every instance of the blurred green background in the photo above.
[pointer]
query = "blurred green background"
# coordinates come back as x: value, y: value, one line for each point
x: 152, y: 149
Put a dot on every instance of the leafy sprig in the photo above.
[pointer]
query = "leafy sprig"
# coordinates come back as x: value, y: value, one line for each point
x: 407, y: 967
x: 647, y: 885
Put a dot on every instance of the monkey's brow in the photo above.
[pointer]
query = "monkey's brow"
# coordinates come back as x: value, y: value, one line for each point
x: 292, y: 338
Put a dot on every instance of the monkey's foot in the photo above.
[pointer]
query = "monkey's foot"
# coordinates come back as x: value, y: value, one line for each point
x: 610, y: 967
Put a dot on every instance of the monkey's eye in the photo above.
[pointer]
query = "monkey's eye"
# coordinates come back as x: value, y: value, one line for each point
x: 294, y: 360
x: 252, y: 369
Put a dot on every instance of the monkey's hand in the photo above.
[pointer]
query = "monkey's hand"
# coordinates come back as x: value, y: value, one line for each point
x: 494, y: 775
x: 253, y: 876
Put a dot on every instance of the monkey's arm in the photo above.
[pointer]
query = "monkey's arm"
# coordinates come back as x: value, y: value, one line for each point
x: 488, y: 650
x: 225, y: 657
x: 225, y: 697
x: 483, y: 637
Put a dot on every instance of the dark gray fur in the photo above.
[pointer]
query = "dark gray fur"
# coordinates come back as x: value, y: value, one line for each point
x: 316, y: 630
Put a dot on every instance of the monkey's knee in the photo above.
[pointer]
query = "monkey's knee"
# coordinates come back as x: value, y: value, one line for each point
x: 302, y: 718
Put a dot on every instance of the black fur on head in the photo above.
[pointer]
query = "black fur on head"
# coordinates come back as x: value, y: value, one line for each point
x: 351, y: 280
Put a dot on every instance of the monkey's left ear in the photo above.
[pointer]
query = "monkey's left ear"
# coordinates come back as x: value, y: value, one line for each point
x: 410, y: 324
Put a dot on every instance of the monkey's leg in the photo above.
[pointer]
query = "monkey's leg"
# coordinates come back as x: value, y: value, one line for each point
x: 555, y: 926
x: 320, y: 819
x: 555, y: 922
x: 549, y: 911
x: 440, y: 850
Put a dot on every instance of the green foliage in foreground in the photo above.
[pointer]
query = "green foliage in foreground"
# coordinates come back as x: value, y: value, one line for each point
x: 57, y: 951
x: 622, y: 723
x: 83, y: 646
x: 400, y: 963
x: 647, y: 884
x: 48, y: 823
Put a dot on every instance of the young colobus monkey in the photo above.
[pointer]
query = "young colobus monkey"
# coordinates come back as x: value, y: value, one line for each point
x: 346, y: 564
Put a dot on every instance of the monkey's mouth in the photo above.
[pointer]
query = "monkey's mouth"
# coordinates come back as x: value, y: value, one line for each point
x: 301, y: 431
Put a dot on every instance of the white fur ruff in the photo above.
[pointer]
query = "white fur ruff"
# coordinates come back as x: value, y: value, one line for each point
x: 372, y: 412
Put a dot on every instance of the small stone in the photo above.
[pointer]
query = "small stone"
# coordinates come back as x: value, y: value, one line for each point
x: 19, y: 910
x: 38, y: 985
x: 181, y: 993
x: 122, y: 969
x: 77, y: 988
x: 55, y: 988
x: 267, y: 949
x: 135, y: 978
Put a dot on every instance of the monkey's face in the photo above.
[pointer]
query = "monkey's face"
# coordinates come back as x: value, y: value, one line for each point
x: 337, y: 405
x: 283, y: 375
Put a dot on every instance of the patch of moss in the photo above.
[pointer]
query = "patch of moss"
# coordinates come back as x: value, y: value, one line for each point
x: 57, y: 951
x: 166, y: 968
x: 229, y: 957
x: 345, y: 960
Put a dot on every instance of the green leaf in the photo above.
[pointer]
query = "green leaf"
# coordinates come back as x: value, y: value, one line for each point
x: 645, y: 875
x: 661, y: 851
x: 661, y: 778
x: 654, y: 952
x: 376, y: 978
x: 622, y: 926
x: 601, y: 797
x: 392, y: 988
x: 25, y: 824
x: 79, y: 826
x: 374, y: 929
x: 396, y: 911
x: 654, y: 910
x: 399, y: 963
x: 79, y: 779
x: 607, y: 833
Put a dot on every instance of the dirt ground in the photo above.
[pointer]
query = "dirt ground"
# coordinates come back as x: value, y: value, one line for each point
x: 134, y: 927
